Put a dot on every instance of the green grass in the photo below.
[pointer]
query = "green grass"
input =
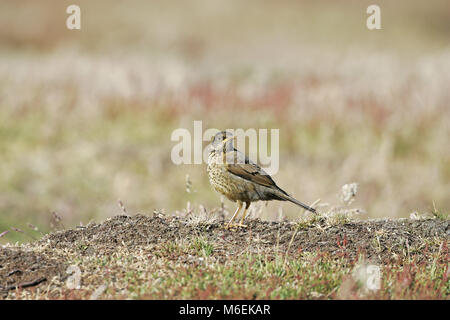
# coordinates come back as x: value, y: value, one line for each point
x: 202, y: 246
x: 159, y: 272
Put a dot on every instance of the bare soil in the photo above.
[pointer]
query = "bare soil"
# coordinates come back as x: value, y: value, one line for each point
x: 36, y: 263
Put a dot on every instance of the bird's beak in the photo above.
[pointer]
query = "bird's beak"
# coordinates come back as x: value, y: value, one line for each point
x: 228, y: 139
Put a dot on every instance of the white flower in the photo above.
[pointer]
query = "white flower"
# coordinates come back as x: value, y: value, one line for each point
x: 348, y: 193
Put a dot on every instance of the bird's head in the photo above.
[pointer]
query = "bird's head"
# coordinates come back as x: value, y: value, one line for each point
x: 222, y: 140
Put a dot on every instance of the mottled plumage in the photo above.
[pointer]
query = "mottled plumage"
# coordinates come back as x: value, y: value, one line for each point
x: 239, y: 179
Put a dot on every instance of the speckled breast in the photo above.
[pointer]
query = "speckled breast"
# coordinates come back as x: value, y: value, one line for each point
x: 218, y: 175
x: 233, y: 187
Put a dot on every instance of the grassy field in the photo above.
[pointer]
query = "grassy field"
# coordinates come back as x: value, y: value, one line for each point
x: 188, y: 257
x: 86, y: 118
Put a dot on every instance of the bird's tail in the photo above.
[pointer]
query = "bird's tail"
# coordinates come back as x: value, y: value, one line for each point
x: 293, y: 200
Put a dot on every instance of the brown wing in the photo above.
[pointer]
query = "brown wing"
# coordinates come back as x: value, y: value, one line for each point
x: 249, y: 170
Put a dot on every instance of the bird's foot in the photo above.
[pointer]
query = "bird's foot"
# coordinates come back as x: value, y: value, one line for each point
x: 229, y: 226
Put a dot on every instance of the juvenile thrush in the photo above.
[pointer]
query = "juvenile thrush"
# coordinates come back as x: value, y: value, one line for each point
x: 239, y: 179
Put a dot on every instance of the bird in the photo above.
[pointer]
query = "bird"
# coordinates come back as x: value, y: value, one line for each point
x: 234, y: 175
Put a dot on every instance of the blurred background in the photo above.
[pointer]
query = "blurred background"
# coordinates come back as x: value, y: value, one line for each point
x: 86, y: 115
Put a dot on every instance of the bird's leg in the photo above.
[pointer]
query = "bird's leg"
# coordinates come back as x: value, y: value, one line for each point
x: 241, y: 224
x: 229, y: 224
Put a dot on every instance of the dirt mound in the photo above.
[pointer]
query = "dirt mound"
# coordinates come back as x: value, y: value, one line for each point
x: 378, y: 240
x: 23, y: 269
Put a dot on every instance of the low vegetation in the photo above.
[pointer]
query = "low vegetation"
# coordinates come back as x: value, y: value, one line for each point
x: 158, y: 257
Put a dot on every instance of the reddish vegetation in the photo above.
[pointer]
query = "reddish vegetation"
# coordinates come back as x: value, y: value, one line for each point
x: 413, y: 256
